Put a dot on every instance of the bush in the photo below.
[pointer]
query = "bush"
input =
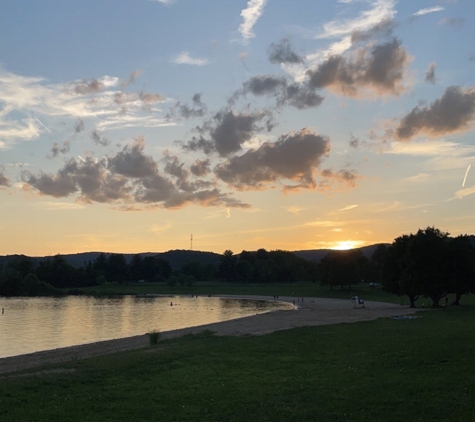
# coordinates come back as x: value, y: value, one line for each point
x: 154, y: 337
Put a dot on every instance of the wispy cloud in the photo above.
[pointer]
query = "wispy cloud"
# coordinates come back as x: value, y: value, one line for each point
x: 428, y: 10
x: 163, y: 1
x: 251, y: 15
x: 348, y: 207
x: 60, y: 206
x: 380, y: 10
x: 294, y: 210
x: 26, y: 100
x: 185, y: 58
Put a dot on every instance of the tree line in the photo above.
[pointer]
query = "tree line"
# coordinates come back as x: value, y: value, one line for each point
x: 429, y: 264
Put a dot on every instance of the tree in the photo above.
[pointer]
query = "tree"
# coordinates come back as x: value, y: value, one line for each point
x: 418, y: 264
x: 461, y: 267
x: 227, y: 266
x: 338, y: 268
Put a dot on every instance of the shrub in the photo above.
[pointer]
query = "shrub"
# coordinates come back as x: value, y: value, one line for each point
x: 154, y: 337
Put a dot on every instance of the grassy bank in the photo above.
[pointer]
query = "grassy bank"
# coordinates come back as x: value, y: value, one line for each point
x: 384, y: 370
x: 281, y: 289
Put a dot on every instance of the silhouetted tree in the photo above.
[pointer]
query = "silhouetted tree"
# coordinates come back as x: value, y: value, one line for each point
x: 227, y: 266
x: 461, y: 267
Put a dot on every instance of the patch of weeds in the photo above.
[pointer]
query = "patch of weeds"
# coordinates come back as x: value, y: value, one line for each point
x: 154, y: 337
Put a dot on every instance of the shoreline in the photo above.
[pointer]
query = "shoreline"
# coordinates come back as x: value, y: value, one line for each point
x: 309, y: 312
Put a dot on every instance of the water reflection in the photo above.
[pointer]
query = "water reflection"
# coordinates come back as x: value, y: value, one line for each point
x: 34, y: 324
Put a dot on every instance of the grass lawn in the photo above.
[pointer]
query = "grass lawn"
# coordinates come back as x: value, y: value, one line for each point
x: 383, y: 370
x: 282, y: 289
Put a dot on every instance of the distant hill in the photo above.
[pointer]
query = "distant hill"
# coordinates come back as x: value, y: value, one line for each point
x: 176, y: 258
x: 179, y: 257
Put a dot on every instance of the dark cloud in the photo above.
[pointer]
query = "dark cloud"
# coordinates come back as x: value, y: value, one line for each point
x: 200, y: 167
x: 79, y: 126
x: 349, y: 177
x: 282, y: 52
x: 384, y: 28
x: 453, y: 112
x: 99, y: 139
x: 430, y: 74
x: 4, y: 180
x: 228, y: 130
x: 197, y: 109
x: 379, y: 70
x: 354, y: 141
x: 264, y: 85
x: 88, y: 87
x: 301, y: 96
x: 199, y: 144
x: 57, y: 149
x: 128, y: 179
x: 132, y: 162
x: 59, y: 185
x: 233, y: 129
x: 456, y: 23
x: 297, y: 95
x: 295, y: 156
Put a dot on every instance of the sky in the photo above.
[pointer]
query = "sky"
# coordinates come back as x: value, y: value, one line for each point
x: 129, y: 126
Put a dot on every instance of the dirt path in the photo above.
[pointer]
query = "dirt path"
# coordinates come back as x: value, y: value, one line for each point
x: 310, y: 312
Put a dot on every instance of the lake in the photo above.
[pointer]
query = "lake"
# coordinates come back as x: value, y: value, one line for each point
x: 34, y: 324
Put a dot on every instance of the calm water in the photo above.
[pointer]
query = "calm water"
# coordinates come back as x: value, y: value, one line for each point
x: 34, y: 324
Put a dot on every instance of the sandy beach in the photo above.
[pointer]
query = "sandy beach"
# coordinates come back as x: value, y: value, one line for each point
x: 310, y: 312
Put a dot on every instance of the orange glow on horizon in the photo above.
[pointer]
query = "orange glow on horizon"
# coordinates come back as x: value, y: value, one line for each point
x: 345, y: 245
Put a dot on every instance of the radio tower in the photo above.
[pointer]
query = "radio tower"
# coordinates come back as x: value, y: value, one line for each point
x: 191, y: 243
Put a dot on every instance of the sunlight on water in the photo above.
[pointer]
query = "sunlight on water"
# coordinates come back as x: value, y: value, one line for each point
x: 33, y: 324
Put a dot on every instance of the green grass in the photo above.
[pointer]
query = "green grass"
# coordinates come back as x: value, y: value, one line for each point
x: 383, y: 370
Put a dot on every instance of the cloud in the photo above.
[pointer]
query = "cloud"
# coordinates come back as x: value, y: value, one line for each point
x: 295, y: 210
x: 130, y: 178
x: 453, y: 112
x: 282, y: 52
x: 462, y: 193
x: 384, y: 28
x: 23, y: 100
x: 57, y: 149
x: 99, y: 139
x: 23, y: 129
x: 295, y: 156
x: 200, y: 167
x: 298, y: 95
x: 197, y: 109
x: 430, y: 74
x: 348, y: 207
x: 377, y: 70
x: 89, y: 87
x: 79, y: 126
x: 163, y: 1
x: 156, y: 229
x: 132, y: 162
x: 456, y: 23
x: 251, y: 15
x: 150, y: 98
x: 4, y: 180
x: 381, y: 10
x: 185, y: 58
x: 228, y: 130
x: 60, y: 206
x: 428, y: 10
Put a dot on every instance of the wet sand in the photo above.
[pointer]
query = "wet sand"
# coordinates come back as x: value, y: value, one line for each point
x: 310, y: 312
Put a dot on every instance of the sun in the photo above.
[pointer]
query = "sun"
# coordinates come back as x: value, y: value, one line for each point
x: 345, y: 245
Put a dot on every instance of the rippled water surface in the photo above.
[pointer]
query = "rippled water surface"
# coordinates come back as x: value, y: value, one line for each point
x: 33, y: 324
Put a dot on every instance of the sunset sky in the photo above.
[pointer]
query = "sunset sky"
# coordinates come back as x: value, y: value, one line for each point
x: 126, y: 126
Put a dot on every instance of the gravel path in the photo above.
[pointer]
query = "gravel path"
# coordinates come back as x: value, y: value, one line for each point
x: 310, y: 312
